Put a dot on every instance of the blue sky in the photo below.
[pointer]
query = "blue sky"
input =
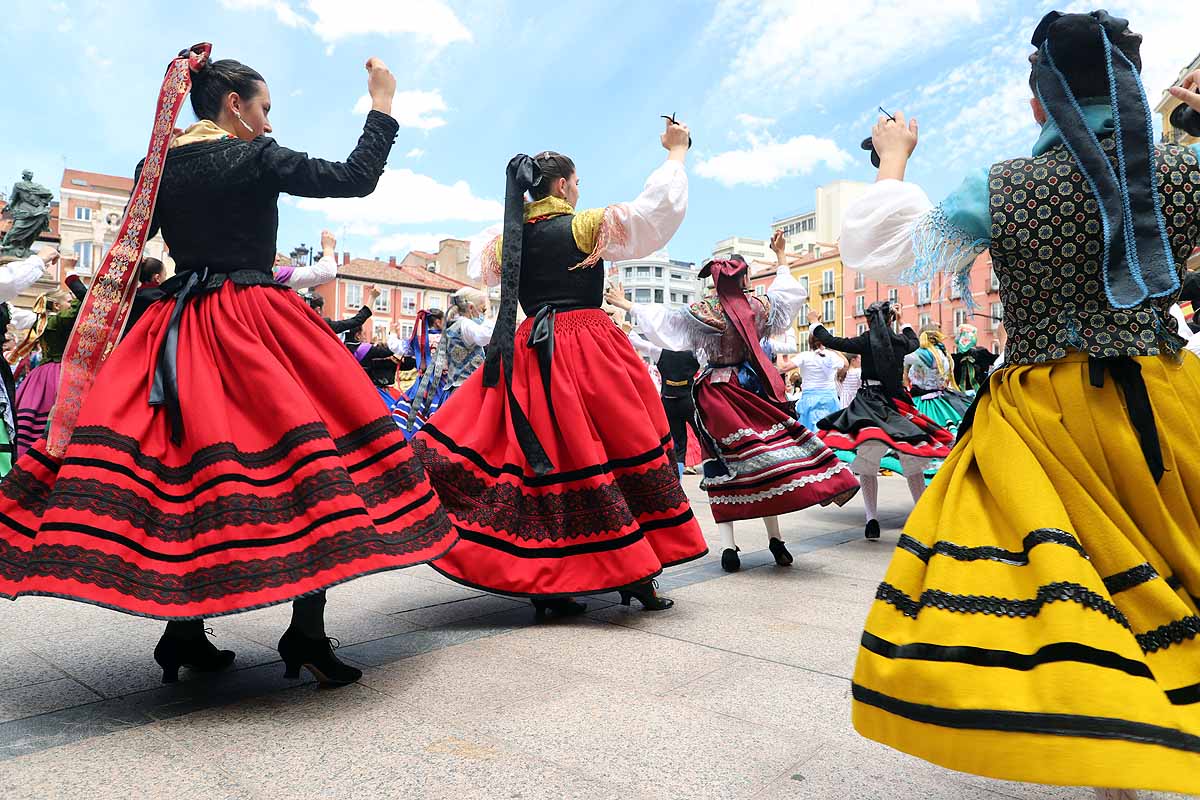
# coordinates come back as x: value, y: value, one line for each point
x: 778, y: 95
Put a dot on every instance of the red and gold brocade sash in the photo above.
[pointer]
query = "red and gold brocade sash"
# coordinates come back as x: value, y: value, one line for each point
x: 106, y: 308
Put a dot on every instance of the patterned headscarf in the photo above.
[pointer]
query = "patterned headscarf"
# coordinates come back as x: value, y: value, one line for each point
x: 966, y: 337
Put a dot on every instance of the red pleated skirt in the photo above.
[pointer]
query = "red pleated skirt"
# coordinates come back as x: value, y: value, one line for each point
x: 760, y: 461
x: 611, y: 513
x: 291, y: 476
x: 875, y: 416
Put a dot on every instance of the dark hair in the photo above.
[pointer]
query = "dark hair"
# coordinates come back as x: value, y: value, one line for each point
x: 211, y: 85
x: 1079, y: 55
x: 315, y: 301
x: 150, y: 267
x: 553, y: 166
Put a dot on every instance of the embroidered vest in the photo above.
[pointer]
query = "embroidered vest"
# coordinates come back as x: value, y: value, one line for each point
x: 1047, y: 250
x: 462, y: 359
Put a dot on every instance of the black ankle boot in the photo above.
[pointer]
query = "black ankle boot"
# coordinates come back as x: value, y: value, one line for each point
x: 729, y: 560
x: 872, y: 529
x: 315, y: 655
x: 557, y: 607
x: 647, y: 596
x: 197, y: 653
x: 782, y: 557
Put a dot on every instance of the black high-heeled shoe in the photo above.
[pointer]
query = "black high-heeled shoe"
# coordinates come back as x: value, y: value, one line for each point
x: 729, y: 560
x: 778, y: 549
x: 557, y: 606
x: 872, y: 529
x: 196, y: 653
x: 315, y: 655
x: 647, y: 596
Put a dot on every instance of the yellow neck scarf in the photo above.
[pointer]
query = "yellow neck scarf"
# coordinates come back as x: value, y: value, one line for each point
x: 203, y: 131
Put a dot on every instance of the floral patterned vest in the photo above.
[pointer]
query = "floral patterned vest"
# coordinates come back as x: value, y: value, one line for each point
x: 1047, y: 249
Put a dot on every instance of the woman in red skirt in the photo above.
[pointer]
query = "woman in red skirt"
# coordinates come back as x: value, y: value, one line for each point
x: 250, y: 477
x: 759, y: 461
x: 554, y: 460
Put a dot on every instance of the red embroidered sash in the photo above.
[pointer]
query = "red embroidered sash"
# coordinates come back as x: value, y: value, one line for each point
x: 106, y: 308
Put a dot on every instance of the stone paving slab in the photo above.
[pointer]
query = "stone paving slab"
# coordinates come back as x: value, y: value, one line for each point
x: 741, y: 691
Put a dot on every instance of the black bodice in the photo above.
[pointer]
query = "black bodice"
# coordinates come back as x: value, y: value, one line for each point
x: 678, y: 369
x: 902, y: 343
x: 218, y: 200
x: 548, y: 254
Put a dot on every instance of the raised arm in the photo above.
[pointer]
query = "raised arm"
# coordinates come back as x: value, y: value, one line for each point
x: 640, y: 227
x: 295, y: 173
x: 894, y: 234
x: 666, y: 328
x: 17, y: 276
x: 319, y: 273
x: 818, y: 331
x: 787, y: 295
x: 357, y: 321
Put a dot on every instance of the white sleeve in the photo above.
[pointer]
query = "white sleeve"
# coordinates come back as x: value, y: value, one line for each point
x: 22, y: 319
x: 669, y: 328
x: 647, y: 223
x: 786, y: 345
x: 20, y: 275
x: 787, y: 296
x: 1193, y: 339
x: 877, y: 230
x: 399, y: 348
x: 475, y: 334
x: 644, y: 347
x: 321, y: 272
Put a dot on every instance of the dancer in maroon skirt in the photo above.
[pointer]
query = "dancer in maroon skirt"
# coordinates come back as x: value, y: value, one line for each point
x: 759, y: 462
x: 263, y: 468
x: 554, y: 460
x: 881, y: 416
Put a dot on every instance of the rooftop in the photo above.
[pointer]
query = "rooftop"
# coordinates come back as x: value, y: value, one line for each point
x: 96, y: 182
x: 370, y: 269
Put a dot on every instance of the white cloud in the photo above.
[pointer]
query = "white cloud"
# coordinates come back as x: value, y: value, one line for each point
x: 416, y: 152
x: 788, y: 52
x: 336, y: 20
x: 412, y: 109
x: 407, y: 197
x: 765, y: 161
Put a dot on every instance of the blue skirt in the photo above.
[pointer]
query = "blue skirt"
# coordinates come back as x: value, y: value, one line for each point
x: 412, y: 415
x: 816, y: 404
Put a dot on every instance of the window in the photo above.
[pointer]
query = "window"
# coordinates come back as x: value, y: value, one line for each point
x: 997, y: 315
x: 816, y: 251
x: 955, y: 291
x: 924, y: 320
x: 994, y: 283
x: 685, y: 299
x: 860, y: 280
x: 674, y: 297
x: 383, y: 303
x: 677, y: 276
x: 83, y: 257
x: 406, y: 331
x: 408, y: 302
x: 827, y: 310
x: 379, y: 331
x: 804, y: 283
x: 924, y: 292
x: 862, y: 328
x: 893, y: 295
x: 658, y: 272
x: 83, y: 213
x: 628, y: 273
x: 960, y: 317
x: 354, y: 295
x: 643, y: 272
x: 658, y: 295
x: 804, y: 309
x: 827, y: 282
x: 860, y: 305
x: 642, y: 295
x: 629, y: 294
x: 760, y: 290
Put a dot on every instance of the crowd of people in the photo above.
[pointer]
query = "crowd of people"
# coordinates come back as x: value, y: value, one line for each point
x: 232, y: 448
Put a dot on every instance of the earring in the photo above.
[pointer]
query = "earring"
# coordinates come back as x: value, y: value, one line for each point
x: 244, y: 125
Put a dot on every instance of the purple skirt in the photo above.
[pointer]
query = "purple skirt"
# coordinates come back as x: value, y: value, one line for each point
x: 35, y: 398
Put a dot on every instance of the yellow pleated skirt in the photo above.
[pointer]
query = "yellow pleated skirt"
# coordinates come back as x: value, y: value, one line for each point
x: 1039, y: 621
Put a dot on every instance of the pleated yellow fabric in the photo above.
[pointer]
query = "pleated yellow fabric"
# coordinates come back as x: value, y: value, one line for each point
x: 1039, y: 619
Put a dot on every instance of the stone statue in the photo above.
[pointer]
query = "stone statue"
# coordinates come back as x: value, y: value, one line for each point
x: 29, y: 208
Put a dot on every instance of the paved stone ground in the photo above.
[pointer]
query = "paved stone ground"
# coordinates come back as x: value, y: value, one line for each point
x: 741, y: 691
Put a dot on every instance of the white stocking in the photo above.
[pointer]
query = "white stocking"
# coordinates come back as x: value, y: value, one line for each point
x: 772, y: 524
x: 725, y: 529
x: 870, y: 495
x: 916, y: 484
